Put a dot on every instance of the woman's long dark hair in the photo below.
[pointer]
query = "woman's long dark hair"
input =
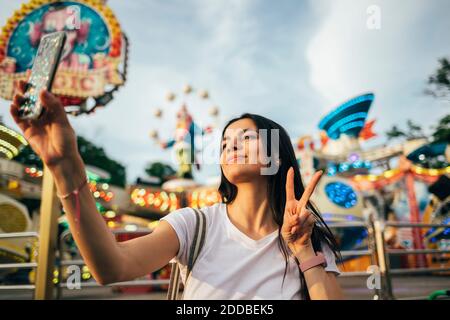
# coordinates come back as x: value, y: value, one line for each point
x: 276, y: 191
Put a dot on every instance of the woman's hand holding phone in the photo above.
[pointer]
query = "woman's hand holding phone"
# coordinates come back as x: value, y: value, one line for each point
x: 51, y: 136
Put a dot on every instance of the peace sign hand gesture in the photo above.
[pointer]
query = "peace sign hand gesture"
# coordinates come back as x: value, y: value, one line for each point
x: 298, y: 221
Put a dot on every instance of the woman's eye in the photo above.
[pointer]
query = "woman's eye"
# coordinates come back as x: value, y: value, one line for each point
x: 223, y: 146
x: 249, y: 137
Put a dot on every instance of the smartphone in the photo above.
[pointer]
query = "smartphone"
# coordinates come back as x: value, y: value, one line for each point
x: 42, y: 73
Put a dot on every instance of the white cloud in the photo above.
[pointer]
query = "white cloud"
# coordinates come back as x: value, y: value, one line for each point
x: 347, y: 58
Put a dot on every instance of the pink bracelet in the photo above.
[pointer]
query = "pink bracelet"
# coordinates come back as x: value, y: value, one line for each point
x: 77, y: 199
x: 319, y: 259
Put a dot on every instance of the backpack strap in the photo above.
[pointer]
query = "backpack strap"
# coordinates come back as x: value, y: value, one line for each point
x: 174, y: 283
x: 194, y: 251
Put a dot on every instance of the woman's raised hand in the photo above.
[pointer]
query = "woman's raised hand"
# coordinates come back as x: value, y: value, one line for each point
x: 298, y: 221
x: 51, y: 136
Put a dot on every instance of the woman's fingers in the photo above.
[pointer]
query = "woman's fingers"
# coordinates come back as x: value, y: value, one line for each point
x: 52, y: 104
x: 294, y: 229
x: 290, y: 193
x: 304, y: 214
x: 299, y: 218
x: 14, y: 110
x: 23, y: 86
x: 18, y: 99
x: 291, y: 221
x: 309, y: 189
x: 306, y: 219
x: 309, y: 221
x: 302, y: 222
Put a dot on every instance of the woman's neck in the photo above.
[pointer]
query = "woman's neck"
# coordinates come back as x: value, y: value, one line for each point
x: 250, y: 211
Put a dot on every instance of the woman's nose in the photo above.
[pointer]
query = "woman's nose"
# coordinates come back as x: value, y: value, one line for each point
x: 234, y: 146
x: 231, y: 148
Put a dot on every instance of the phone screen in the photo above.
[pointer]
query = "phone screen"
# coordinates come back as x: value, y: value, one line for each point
x: 42, y: 73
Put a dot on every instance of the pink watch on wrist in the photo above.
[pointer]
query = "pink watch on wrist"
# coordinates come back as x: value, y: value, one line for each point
x: 319, y: 259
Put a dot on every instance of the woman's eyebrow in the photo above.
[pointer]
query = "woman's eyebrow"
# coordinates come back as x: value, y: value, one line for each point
x: 243, y: 131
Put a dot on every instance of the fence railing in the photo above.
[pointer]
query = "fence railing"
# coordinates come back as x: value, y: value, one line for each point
x: 22, y: 265
x: 370, y: 251
x: 384, y: 260
x: 377, y: 250
x: 93, y: 284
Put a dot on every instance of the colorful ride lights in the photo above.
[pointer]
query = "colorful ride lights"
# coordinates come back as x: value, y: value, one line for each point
x: 33, y: 172
x: 156, y: 199
x: 101, y: 191
x: 341, y: 194
x: 334, y: 168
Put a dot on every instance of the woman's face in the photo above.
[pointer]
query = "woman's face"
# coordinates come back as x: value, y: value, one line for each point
x: 241, y: 155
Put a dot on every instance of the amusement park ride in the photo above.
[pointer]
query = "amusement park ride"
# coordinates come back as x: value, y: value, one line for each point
x: 187, y: 130
x: 359, y: 183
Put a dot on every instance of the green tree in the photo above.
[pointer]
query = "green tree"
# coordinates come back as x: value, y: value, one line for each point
x: 160, y: 170
x: 439, y: 82
x: 96, y: 156
x: 442, y: 130
x: 413, y: 131
x: 394, y: 132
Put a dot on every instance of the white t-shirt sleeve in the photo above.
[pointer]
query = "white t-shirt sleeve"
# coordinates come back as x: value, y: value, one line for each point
x: 183, y: 222
x: 331, y: 259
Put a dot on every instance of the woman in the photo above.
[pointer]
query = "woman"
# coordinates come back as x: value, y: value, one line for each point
x: 258, y: 240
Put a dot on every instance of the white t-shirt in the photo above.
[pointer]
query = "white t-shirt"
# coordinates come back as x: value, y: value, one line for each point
x: 233, y: 266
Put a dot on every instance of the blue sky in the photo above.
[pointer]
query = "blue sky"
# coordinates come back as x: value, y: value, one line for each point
x: 292, y: 61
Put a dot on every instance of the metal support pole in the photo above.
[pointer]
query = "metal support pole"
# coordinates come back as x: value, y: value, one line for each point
x: 420, y: 260
x: 373, y: 252
x: 49, y: 213
x: 383, y: 263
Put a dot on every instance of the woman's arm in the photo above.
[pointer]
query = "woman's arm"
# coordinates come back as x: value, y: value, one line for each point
x: 53, y: 139
x: 109, y: 260
x: 322, y: 285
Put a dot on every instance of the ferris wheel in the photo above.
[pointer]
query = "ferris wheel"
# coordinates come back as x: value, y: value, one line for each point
x: 184, y: 105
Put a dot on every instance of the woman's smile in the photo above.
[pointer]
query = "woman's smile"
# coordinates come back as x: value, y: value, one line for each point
x: 236, y: 159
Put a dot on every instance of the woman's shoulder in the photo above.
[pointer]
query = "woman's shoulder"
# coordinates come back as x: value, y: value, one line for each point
x: 211, y: 211
x: 185, y: 218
